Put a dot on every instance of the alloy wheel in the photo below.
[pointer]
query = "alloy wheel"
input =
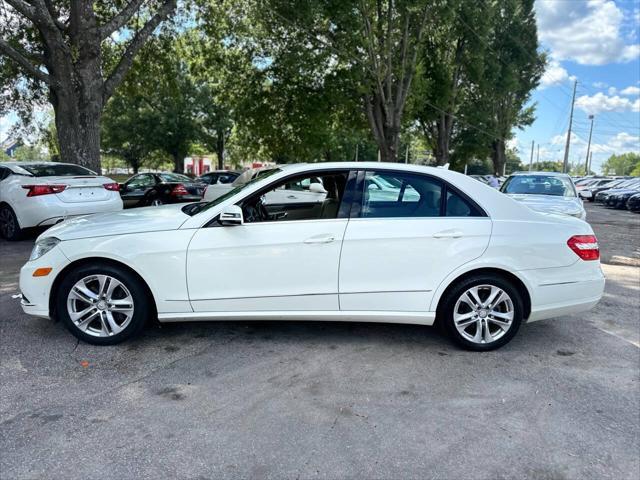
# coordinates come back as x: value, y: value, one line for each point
x: 100, y: 305
x: 483, y: 314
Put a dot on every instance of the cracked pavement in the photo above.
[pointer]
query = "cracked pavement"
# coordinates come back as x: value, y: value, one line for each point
x: 328, y: 400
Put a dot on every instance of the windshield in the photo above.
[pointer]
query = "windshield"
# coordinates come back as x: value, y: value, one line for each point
x: 539, y: 185
x: 173, y: 177
x: 206, y: 206
x: 56, y: 170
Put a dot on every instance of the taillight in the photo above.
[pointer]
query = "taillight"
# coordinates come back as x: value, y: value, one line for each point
x: 179, y: 190
x: 35, y: 190
x: 113, y: 187
x: 585, y: 246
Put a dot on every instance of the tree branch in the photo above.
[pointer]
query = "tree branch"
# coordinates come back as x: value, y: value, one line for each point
x: 54, y: 15
x: 24, y: 8
x: 26, y: 65
x: 138, y: 41
x: 120, y: 19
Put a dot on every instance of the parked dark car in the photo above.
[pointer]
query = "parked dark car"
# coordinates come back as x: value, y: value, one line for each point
x: 590, y: 193
x: 633, y: 204
x: 151, y: 189
x: 603, y: 195
x: 217, y: 176
x: 620, y: 197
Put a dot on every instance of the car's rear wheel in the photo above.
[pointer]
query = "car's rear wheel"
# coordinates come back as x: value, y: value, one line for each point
x: 9, y: 226
x: 102, y: 304
x: 156, y: 202
x: 483, y: 312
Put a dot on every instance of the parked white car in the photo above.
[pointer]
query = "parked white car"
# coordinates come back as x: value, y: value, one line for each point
x: 445, y: 248
x: 34, y: 194
x: 546, y: 192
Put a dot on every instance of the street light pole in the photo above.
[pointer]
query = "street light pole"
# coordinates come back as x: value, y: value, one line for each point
x: 531, y: 159
x: 565, y: 163
x: 588, y: 146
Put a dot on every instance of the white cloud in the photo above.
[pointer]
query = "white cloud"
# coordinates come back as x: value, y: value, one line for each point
x: 554, y: 74
x: 612, y: 90
x: 589, y: 33
x: 606, y: 103
x: 631, y: 91
x: 599, y: 84
x: 624, y: 142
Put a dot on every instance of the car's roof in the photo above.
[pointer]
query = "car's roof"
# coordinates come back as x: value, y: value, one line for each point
x: 545, y: 174
x: 13, y: 164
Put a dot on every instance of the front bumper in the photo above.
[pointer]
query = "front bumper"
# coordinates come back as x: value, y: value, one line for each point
x: 36, y: 290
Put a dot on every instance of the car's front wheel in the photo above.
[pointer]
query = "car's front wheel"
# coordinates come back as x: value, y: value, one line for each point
x: 9, y: 226
x: 102, y: 304
x: 483, y: 312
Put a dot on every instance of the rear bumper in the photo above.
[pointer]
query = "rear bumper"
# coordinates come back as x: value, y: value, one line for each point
x: 564, y: 291
x: 49, y: 211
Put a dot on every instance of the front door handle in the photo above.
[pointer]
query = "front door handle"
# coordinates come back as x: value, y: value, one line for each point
x: 292, y: 197
x: 320, y: 239
x: 448, y: 234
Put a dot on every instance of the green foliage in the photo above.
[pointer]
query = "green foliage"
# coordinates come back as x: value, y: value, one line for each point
x: 624, y: 164
x: 29, y: 153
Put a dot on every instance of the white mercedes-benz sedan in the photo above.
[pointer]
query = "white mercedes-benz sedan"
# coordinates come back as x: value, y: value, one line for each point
x: 386, y: 243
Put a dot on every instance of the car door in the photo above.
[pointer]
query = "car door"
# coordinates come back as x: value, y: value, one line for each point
x: 274, y: 263
x: 134, y: 191
x: 410, y: 232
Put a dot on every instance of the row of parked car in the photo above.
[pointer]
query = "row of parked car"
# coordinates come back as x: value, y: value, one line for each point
x: 620, y: 193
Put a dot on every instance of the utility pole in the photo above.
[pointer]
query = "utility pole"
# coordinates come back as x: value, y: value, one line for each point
x: 590, y: 161
x: 538, y: 157
x: 406, y: 155
x: 589, y: 146
x: 531, y: 159
x: 565, y: 164
x: 356, y: 152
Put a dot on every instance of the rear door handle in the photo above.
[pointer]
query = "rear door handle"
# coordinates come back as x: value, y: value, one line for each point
x: 292, y: 197
x: 448, y: 234
x: 320, y: 239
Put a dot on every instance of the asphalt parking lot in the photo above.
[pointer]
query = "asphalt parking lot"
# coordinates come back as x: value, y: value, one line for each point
x: 328, y: 400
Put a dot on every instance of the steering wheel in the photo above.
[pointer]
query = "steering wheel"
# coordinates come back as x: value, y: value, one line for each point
x: 256, y: 212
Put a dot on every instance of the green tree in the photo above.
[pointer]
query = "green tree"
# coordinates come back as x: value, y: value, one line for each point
x: 29, y: 153
x: 451, y: 67
x: 512, y: 70
x: 54, y: 50
x: 623, y: 164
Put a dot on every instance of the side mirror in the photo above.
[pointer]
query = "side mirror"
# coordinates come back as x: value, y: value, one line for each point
x: 317, y: 188
x: 231, y: 216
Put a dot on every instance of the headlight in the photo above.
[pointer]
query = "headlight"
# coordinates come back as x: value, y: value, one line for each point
x: 43, y: 246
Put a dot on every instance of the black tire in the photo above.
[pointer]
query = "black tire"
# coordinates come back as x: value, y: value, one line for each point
x: 451, y: 297
x: 154, y: 201
x: 9, y: 226
x: 141, y: 302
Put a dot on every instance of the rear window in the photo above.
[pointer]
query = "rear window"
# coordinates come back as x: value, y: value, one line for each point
x: 173, y: 177
x: 539, y: 185
x: 57, y: 170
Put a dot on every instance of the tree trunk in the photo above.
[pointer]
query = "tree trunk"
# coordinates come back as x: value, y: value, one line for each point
x: 220, y: 149
x: 442, y: 141
x: 178, y: 161
x: 498, y: 156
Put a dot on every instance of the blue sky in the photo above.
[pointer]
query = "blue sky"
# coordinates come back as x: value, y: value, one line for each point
x: 597, y: 43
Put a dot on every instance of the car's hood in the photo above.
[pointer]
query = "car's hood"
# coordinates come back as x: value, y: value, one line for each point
x: 137, y: 220
x: 550, y: 203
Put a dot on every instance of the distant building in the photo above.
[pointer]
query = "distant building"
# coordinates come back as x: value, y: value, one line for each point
x: 197, y: 165
x: 10, y: 146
